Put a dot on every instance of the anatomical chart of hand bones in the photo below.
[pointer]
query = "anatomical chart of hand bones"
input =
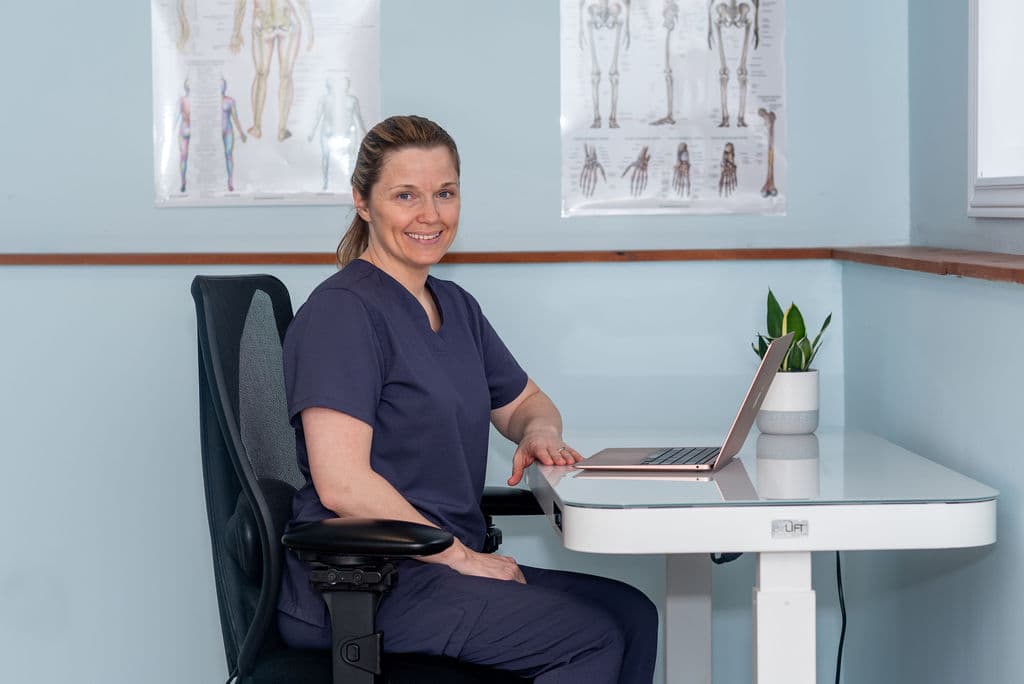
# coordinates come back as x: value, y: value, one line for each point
x: 673, y: 106
x: 262, y: 101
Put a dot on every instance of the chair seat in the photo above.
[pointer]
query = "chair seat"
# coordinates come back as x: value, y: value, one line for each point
x: 314, y: 667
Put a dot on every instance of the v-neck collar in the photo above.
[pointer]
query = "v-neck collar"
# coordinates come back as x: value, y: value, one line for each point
x: 411, y: 298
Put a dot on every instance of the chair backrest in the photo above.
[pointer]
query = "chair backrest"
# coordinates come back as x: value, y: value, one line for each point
x: 248, y: 450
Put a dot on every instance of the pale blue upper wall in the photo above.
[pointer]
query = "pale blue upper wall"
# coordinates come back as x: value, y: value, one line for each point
x: 78, y: 175
x: 938, y: 136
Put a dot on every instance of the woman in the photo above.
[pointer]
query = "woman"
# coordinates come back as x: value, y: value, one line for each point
x: 393, y: 378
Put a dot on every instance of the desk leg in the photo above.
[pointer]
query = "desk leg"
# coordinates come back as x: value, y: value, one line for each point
x: 687, y: 645
x: 784, y: 629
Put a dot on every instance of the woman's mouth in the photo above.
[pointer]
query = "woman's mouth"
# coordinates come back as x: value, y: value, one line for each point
x: 425, y: 237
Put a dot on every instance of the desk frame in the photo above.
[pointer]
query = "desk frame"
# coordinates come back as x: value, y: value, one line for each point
x: 783, y: 600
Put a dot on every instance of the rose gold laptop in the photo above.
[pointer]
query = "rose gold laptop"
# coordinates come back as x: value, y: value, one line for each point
x: 700, y: 458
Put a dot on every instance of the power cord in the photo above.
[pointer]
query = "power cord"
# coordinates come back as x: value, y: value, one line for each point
x: 842, y: 610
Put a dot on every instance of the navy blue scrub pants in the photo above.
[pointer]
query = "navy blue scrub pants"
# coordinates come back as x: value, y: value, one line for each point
x: 559, y: 628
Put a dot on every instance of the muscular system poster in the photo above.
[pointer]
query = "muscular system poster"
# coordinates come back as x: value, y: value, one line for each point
x: 673, y: 107
x: 261, y: 101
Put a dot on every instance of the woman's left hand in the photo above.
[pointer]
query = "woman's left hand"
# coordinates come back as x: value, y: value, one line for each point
x: 544, y: 447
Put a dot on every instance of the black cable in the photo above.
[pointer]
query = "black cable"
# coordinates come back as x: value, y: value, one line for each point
x: 720, y: 558
x: 842, y: 610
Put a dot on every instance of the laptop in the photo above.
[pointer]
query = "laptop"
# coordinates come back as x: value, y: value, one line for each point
x: 697, y: 458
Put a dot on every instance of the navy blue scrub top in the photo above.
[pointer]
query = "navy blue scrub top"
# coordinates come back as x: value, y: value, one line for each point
x: 362, y: 345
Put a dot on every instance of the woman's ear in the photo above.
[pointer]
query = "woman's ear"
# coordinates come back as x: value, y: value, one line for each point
x: 361, y: 205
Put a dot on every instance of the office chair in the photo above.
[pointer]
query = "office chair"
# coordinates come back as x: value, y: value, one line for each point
x: 250, y: 475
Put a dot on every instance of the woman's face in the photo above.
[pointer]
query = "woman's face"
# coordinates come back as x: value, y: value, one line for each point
x: 413, y: 209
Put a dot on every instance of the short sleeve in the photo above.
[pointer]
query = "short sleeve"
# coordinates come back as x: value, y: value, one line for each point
x: 333, y: 358
x: 506, y: 379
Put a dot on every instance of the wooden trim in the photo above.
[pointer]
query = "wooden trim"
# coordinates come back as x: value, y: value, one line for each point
x: 318, y: 258
x: 637, y: 255
x: 964, y: 263
x: 165, y: 259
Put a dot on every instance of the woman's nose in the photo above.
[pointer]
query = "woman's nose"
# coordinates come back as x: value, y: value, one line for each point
x: 430, y: 213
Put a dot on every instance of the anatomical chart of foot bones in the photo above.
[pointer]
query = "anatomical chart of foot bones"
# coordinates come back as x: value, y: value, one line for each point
x: 673, y: 106
x: 262, y: 101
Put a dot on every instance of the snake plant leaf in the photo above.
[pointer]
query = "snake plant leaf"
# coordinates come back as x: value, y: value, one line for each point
x: 793, y: 322
x: 761, y: 348
x: 774, y: 316
x: 795, y: 359
x: 790, y: 359
x: 806, y: 353
x: 824, y: 326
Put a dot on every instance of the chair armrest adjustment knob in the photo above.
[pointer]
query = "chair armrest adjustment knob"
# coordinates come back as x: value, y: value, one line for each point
x: 324, y: 578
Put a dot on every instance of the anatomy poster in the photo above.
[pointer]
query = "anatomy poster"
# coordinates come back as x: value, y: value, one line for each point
x: 261, y: 101
x: 673, y: 106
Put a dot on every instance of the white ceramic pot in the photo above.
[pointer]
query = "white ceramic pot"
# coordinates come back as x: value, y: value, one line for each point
x: 791, y: 405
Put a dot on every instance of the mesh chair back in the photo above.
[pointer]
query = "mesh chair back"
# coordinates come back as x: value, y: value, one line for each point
x: 267, y: 437
x: 249, y: 465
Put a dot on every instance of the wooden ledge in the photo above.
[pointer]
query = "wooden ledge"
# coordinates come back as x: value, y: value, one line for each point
x: 956, y: 262
x: 964, y: 263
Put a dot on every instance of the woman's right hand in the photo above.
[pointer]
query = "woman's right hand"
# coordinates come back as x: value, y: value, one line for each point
x: 468, y: 562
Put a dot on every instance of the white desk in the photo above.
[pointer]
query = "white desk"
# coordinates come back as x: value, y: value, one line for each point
x: 782, y: 498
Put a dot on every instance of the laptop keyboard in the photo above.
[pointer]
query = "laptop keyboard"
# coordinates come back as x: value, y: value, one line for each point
x: 682, y: 456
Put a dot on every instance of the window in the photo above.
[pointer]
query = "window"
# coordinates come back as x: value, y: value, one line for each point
x: 996, y: 148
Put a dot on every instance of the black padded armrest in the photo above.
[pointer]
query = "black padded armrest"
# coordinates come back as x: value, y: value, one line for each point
x: 509, y: 501
x: 367, y: 537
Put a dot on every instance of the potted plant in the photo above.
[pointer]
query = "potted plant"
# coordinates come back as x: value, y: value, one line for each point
x: 791, y: 405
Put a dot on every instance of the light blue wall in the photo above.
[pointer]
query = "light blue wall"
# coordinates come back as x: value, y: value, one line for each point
x: 105, y: 574
x: 934, y: 364
x: 938, y: 136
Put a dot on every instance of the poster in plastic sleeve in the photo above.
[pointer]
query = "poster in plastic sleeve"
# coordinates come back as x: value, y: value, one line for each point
x: 673, y: 107
x: 261, y: 101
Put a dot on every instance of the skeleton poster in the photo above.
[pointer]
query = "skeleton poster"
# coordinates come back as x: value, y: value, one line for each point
x: 261, y: 101
x: 673, y: 107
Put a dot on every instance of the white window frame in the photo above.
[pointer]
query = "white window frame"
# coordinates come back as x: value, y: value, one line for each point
x: 999, y: 197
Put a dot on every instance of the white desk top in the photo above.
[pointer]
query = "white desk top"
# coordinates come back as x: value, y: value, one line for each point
x: 833, y: 467
x: 855, y: 490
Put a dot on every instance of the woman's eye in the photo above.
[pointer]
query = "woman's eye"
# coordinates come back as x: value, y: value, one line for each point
x: 446, y: 194
x: 405, y: 195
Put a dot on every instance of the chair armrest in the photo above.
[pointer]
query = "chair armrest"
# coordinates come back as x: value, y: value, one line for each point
x: 360, y: 537
x: 509, y: 501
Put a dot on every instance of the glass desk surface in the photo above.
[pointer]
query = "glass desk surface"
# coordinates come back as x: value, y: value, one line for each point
x: 828, y: 468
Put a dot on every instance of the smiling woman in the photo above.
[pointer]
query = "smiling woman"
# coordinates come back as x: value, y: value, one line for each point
x: 393, y: 379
